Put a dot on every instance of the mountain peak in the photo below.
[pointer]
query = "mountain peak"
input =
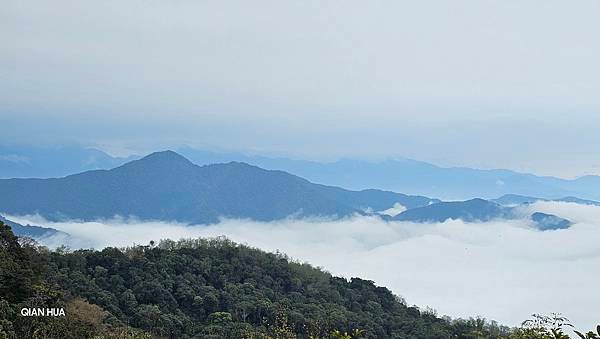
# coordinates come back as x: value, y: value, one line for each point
x: 162, y: 161
x: 165, y: 157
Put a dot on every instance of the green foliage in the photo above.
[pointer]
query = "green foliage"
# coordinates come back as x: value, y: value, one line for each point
x: 549, y: 327
x: 590, y: 334
x: 216, y: 288
x: 356, y: 333
x: 212, y: 288
x: 476, y: 328
x: 16, y: 272
x: 23, y: 284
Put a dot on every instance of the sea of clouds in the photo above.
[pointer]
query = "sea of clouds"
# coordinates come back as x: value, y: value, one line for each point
x: 502, y: 270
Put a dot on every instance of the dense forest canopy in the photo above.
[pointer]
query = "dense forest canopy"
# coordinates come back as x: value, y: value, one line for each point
x: 202, y: 288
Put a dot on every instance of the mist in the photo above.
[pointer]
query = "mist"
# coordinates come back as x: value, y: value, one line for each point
x: 502, y: 270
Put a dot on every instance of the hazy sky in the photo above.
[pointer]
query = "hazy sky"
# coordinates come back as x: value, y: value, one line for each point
x: 510, y: 84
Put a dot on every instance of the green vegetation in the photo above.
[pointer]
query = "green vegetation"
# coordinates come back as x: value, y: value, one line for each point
x: 204, y: 288
x: 549, y: 327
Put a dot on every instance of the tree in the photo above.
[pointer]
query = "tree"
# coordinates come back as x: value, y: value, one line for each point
x: 549, y: 327
x: 590, y: 334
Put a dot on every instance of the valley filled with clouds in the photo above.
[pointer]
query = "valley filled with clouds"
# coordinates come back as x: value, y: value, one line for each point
x: 502, y: 270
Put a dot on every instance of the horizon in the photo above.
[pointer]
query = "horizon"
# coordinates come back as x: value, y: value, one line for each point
x: 140, y: 153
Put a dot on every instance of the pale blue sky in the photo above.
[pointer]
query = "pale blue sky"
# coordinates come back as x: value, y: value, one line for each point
x: 510, y: 84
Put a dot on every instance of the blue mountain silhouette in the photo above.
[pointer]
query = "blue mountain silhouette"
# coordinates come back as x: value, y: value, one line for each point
x: 167, y: 186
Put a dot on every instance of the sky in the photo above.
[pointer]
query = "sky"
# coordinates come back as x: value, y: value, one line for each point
x: 489, y: 84
x: 501, y: 270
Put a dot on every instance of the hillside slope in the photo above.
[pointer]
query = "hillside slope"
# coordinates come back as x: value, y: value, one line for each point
x: 199, y: 288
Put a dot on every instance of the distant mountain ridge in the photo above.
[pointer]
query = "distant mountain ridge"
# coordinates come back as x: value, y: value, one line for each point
x: 417, y: 177
x: 167, y: 186
x: 514, y: 199
x: 34, y: 232
x: 478, y: 210
x: 403, y: 175
x: 470, y: 210
x: 50, y: 162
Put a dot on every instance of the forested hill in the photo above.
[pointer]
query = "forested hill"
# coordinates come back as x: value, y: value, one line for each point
x: 199, y: 288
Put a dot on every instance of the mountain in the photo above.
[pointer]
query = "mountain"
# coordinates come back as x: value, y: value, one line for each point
x: 478, y: 210
x: 167, y: 186
x: 546, y: 222
x: 415, y: 177
x: 35, y: 232
x: 514, y: 199
x: 401, y: 175
x: 469, y: 211
x: 48, y: 162
x: 578, y: 201
x: 372, y: 199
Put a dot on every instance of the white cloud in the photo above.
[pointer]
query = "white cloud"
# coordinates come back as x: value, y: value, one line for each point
x: 501, y: 270
x: 394, y: 210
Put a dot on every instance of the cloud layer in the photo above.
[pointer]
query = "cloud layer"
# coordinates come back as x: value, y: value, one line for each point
x: 501, y: 270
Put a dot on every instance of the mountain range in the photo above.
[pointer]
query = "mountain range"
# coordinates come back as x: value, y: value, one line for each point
x: 35, y: 232
x: 479, y: 210
x: 167, y: 186
x: 514, y: 199
x: 400, y: 175
x: 19, y: 161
